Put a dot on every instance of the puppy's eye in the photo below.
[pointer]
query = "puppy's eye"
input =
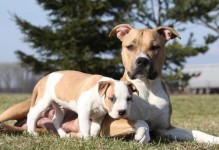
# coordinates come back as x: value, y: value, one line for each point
x: 130, y: 47
x: 129, y: 98
x: 112, y: 98
x: 155, y: 47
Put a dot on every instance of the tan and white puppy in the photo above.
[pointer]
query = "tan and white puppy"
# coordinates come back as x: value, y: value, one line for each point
x: 91, y: 96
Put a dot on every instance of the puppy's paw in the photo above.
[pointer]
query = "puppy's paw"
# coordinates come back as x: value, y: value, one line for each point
x: 33, y: 133
x: 62, y: 133
x: 142, y: 132
x: 83, y: 137
x: 66, y: 135
x: 95, y: 130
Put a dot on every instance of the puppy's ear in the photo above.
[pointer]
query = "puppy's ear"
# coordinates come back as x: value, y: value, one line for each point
x: 167, y: 32
x: 120, y: 31
x: 102, y: 87
x: 131, y: 87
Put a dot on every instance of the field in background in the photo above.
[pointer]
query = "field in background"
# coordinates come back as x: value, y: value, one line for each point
x: 200, y: 112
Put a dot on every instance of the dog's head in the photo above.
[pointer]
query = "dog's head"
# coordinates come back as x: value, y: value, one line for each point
x: 143, y: 52
x: 117, y: 97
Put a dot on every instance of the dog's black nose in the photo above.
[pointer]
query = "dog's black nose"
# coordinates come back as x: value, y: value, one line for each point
x: 142, y: 62
x: 122, y: 112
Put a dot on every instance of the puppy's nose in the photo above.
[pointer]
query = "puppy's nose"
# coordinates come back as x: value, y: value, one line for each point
x: 142, y: 62
x: 122, y: 112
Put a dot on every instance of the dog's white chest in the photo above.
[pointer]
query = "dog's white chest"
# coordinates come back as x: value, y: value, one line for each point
x: 142, y: 89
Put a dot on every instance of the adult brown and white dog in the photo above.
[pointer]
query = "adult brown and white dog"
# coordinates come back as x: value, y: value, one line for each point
x: 91, y: 96
x: 143, y: 56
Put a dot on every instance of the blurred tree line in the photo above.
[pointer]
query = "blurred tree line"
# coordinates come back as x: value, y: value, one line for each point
x: 77, y: 35
x: 15, y: 79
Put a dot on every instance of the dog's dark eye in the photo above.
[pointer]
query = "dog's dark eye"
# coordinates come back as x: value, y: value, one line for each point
x: 130, y: 47
x: 112, y: 98
x: 155, y: 47
x: 129, y: 98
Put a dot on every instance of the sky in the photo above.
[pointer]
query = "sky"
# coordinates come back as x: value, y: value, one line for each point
x: 11, y: 39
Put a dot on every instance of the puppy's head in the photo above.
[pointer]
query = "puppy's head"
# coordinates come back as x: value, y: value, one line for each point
x: 143, y: 52
x: 117, y: 97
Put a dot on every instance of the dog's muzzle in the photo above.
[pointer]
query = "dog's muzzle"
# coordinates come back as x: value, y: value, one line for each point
x: 142, y: 68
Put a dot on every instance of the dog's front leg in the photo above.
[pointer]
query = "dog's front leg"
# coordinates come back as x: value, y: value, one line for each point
x: 96, y: 125
x: 141, y: 131
x: 84, y: 123
x: 123, y: 127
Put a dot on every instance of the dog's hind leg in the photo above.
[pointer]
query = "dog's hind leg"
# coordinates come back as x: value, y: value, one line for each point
x: 35, y: 112
x: 181, y: 134
x: 16, y: 112
x: 57, y: 120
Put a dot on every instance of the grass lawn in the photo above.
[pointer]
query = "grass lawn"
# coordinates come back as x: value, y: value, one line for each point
x: 200, y: 112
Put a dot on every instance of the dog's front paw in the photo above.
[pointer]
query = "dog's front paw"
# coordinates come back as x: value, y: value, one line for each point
x: 142, y: 132
x: 33, y: 133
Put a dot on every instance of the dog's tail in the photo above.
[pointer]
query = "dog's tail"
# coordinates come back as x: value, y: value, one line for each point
x: 181, y: 134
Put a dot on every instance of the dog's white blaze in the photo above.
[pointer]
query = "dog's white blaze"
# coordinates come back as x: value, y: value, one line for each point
x: 142, y: 55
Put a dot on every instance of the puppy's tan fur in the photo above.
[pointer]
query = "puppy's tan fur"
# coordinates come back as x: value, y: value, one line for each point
x: 92, y: 96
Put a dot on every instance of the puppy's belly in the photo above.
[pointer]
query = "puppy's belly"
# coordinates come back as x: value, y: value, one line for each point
x: 72, y: 105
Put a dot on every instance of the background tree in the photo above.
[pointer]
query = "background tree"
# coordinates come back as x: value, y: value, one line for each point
x: 77, y: 37
x: 15, y: 79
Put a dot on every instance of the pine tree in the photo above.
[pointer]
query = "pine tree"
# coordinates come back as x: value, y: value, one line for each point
x: 77, y: 36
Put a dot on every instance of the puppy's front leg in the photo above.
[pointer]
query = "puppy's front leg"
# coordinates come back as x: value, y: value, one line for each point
x: 84, y: 123
x: 96, y: 125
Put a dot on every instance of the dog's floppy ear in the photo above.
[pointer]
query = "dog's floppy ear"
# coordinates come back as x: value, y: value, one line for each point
x: 102, y: 87
x: 167, y: 32
x: 120, y: 31
x: 131, y: 87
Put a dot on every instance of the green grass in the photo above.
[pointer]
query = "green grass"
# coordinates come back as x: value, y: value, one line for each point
x: 199, y: 112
